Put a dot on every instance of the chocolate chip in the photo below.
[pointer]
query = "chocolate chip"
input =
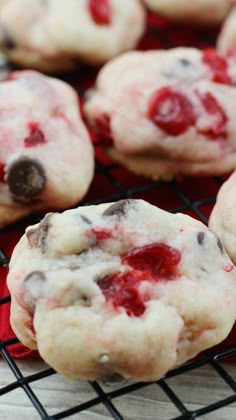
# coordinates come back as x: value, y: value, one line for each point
x: 200, y: 237
x: 36, y: 276
x: 7, y: 40
x: 118, y: 208
x: 26, y: 179
x: 38, y: 236
x: 185, y: 63
x: 220, y: 246
x: 85, y: 301
x: 86, y: 219
x: 74, y: 267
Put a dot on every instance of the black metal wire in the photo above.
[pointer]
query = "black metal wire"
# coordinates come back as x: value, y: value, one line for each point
x: 210, y: 358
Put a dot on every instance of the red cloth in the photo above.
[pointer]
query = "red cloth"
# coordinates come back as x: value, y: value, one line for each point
x: 160, y: 34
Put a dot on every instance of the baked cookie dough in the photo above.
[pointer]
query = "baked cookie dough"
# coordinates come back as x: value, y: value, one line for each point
x: 226, y: 42
x: 165, y: 114
x: 200, y: 12
x: 120, y: 290
x: 62, y: 33
x: 46, y: 157
x: 223, y: 218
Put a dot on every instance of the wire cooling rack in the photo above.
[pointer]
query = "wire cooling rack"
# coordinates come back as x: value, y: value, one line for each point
x: 129, y: 400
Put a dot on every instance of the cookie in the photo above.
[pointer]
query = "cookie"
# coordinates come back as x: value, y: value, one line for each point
x: 60, y: 34
x: 222, y: 219
x: 198, y: 12
x: 226, y: 42
x: 165, y: 114
x: 120, y: 290
x: 46, y: 157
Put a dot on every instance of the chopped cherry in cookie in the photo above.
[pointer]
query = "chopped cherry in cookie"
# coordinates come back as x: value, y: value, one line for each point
x: 2, y: 171
x: 100, y: 11
x: 31, y: 327
x: 218, y: 127
x: 159, y: 259
x: 102, y: 234
x: 171, y: 111
x: 35, y: 137
x: 102, y: 127
x: 119, y: 208
x: 122, y: 290
x: 218, y: 65
x: 149, y: 263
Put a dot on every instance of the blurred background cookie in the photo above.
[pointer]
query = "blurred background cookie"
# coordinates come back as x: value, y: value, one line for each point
x: 198, y: 12
x: 167, y: 113
x: 46, y: 157
x: 55, y: 35
x: 223, y: 217
x: 227, y: 37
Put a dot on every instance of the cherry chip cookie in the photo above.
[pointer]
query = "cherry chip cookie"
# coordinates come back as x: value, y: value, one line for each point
x: 223, y: 218
x: 227, y: 38
x: 200, y: 12
x: 120, y: 290
x: 61, y: 33
x: 46, y: 157
x: 169, y: 113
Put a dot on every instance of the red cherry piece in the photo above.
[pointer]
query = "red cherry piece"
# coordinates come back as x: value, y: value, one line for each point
x: 102, y: 234
x: 159, y: 259
x: 2, y: 171
x: 218, y: 65
x: 100, y: 11
x: 218, y: 128
x: 31, y: 327
x: 122, y: 290
x: 171, y: 111
x: 228, y: 268
x: 35, y: 137
x: 102, y: 128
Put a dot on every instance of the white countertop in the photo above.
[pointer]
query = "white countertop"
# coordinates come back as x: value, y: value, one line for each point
x: 195, y: 389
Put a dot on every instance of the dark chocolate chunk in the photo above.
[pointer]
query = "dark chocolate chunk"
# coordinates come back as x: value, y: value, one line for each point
x: 36, y: 276
x: 185, y: 63
x: 6, y: 40
x: 86, y: 219
x: 85, y: 301
x: 38, y: 236
x: 118, y: 208
x: 220, y: 246
x: 218, y: 243
x: 26, y: 179
x: 200, y: 237
x: 74, y: 267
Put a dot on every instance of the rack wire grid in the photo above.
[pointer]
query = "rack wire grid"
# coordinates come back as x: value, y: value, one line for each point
x: 196, y: 197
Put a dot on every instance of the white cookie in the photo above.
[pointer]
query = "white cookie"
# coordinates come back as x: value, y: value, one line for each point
x: 61, y: 33
x: 46, y: 156
x: 120, y: 289
x: 167, y: 113
x: 201, y: 12
x: 226, y: 42
x: 223, y: 218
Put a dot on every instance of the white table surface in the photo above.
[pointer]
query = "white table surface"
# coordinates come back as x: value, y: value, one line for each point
x: 196, y: 389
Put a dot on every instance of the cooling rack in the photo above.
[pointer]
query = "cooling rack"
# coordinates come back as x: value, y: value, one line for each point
x: 33, y: 381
